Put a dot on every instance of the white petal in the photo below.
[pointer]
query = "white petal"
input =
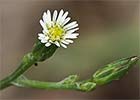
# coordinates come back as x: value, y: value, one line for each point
x: 76, y: 34
x: 44, y: 40
x: 71, y: 31
x: 47, y: 44
x: 54, y: 15
x: 40, y: 38
x: 60, y: 16
x: 65, y: 15
x: 57, y: 44
x: 45, y: 17
x: 71, y: 36
x: 70, y: 24
x: 45, y: 31
x: 70, y: 41
x: 63, y: 41
x: 49, y: 15
x: 50, y: 41
x: 41, y: 35
x: 63, y: 18
x: 66, y: 21
x: 49, y: 18
x: 42, y: 24
x: 63, y: 45
x: 71, y: 27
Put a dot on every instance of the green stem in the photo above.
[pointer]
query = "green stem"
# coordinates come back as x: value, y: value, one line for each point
x: 69, y: 83
x: 45, y: 85
x: 27, y: 62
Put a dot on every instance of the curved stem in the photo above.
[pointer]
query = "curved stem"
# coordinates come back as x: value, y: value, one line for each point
x: 45, y: 85
x: 69, y: 83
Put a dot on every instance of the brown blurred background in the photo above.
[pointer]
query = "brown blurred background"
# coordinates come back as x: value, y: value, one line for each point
x: 109, y: 30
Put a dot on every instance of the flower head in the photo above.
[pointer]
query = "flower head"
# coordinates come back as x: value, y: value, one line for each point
x: 57, y: 30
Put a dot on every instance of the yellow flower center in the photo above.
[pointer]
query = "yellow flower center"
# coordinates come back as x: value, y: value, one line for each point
x: 56, y: 33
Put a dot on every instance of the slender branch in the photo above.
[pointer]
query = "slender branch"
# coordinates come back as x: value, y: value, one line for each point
x: 45, y: 85
x: 112, y: 71
x: 69, y: 83
x: 108, y: 73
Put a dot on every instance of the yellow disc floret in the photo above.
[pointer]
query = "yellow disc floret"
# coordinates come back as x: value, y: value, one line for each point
x: 56, y: 33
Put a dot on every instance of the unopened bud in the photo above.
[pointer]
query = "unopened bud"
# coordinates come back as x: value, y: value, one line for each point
x: 114, y: 71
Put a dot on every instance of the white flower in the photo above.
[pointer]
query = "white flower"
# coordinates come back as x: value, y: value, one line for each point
x: 57, y: 30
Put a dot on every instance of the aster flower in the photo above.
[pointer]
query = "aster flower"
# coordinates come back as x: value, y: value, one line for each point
x: 57, y: 30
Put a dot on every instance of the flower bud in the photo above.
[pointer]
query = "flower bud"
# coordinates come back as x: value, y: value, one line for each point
x: 87, y: 86
x: 114, y: 71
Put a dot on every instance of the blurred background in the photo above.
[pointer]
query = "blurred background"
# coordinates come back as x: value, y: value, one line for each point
x: 109, y: 30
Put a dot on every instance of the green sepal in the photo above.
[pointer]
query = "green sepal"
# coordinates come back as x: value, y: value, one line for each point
x: 41, y: 52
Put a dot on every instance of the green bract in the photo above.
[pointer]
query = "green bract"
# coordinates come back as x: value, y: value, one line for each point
x: 41, y: 52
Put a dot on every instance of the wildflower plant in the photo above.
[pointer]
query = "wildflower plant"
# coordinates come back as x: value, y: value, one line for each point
x: 59, y: 32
